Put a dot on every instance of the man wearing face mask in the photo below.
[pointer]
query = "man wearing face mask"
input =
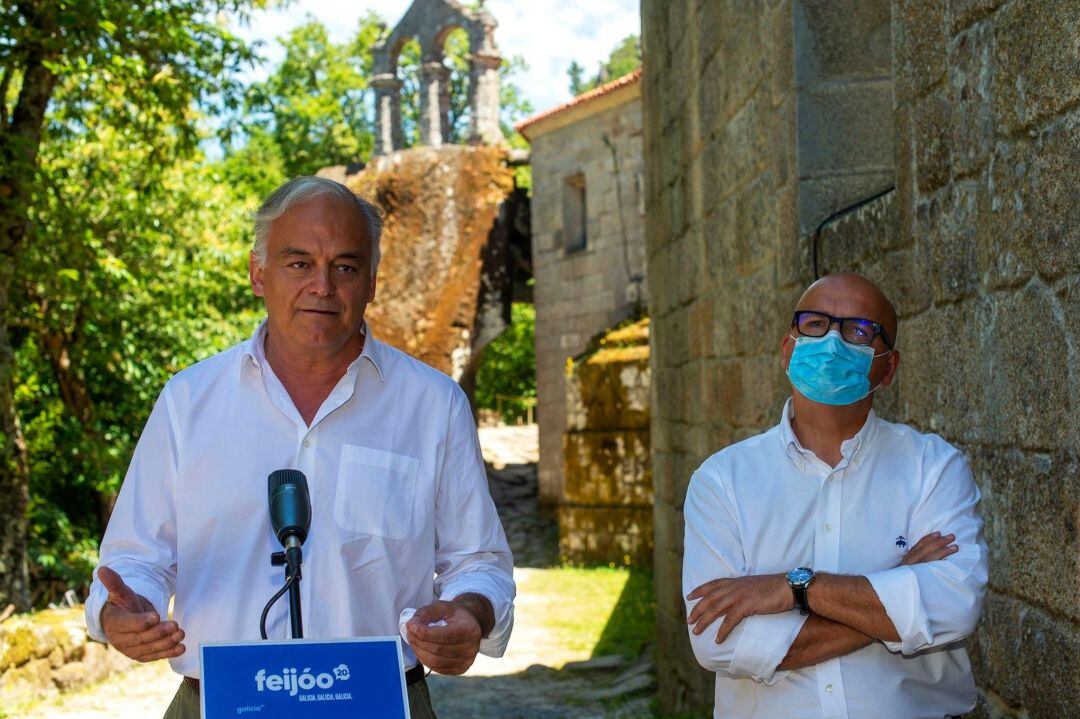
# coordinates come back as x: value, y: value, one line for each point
x: 834, y: 564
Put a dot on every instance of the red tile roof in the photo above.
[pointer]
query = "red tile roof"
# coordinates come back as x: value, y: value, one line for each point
x: 581, y: 99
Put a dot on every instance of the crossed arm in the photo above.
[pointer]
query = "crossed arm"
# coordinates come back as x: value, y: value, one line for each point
x: 933, y: 596
x: 847, y: 612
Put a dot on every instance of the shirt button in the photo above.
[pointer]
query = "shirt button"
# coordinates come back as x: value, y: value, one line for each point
x: 307, y: 442
x: 828, y: 527
x: 828, y: 688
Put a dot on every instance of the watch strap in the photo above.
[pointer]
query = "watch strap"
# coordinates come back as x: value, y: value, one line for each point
x: 800, y: 597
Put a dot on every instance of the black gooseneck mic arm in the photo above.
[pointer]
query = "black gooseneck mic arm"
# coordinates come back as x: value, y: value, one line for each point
x: 290, y: 515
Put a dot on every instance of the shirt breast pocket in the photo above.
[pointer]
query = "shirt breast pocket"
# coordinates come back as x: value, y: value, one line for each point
x: 375, y: 492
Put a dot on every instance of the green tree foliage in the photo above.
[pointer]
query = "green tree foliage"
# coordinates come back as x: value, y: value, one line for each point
x: 624, y: 59
x: 576, y: 73
x: 132, y: 75
x: 123, y: 246
x: 315, y: 104
x: 508, y: 366
x: 133, y: 270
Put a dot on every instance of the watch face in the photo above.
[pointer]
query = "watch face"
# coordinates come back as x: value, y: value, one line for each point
x: 802, y: 575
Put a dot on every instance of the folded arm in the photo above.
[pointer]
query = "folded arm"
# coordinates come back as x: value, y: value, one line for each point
x: 934, y: 603
x: 473, y: 563
x: 934, y: 597
x: 713, y: 549
x: 821, y: 640
x: 852, y: 602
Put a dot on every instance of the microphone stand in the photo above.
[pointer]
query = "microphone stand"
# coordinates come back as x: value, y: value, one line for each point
x: 292, y: 558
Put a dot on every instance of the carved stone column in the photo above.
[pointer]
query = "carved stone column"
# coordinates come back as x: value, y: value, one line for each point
x: 444, y: 110
x: 388, y: 135
x: 484, y: 77
x: 434, y: 78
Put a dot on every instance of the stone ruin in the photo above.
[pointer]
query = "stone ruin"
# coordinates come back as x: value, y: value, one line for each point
x: 455, y: 244
x: 606, y: 512
x: 444, y: 280
x: 430, y: 22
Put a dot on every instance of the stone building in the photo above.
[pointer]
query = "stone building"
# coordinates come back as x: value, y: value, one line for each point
x: 588, y: 241
x: 935, y: 147
x: 429, y: 22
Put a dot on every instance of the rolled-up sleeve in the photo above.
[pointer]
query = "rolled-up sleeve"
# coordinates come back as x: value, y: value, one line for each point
x: 140, y: 541
x: 935, y: 603
x: 472, y: 555
x: 757, y: 646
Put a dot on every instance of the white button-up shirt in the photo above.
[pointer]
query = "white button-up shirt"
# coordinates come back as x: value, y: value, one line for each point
x: 401, y: 512
x: 767, y: 505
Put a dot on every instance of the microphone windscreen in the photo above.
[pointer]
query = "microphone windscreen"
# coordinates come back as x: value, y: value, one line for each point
x: 290, y: 504
x: 281, y: 477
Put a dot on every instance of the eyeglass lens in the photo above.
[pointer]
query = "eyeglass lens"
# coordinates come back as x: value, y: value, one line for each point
x: 855, y: 330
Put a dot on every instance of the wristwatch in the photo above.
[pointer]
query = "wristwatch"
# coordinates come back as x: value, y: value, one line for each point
x: 799, y: 579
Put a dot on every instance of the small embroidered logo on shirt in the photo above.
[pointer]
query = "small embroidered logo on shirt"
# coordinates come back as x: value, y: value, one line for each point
x: 901, y: 542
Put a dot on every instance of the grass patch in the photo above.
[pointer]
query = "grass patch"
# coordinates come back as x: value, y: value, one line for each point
x: 596, y: 610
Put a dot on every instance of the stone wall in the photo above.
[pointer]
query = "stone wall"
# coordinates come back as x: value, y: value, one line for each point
x: 48, y: 652
x: 978, y: 245
x: 721, y: 223
x: 580, y: 293
x: 441, y: 208
x: 606, y: 511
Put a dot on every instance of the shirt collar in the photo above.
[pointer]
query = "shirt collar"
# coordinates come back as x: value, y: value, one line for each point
x: 848, y: 449
x: 254, y: 352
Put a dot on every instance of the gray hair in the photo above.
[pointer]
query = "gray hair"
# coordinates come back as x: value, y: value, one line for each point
x: 300, y: 189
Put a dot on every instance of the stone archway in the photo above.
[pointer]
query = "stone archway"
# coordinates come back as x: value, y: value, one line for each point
x: 430, y: 21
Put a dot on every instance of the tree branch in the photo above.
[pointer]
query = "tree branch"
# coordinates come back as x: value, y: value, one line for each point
x: 5, y: 83
x: 19, y: 147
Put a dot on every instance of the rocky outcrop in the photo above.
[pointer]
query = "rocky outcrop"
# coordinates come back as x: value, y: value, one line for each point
x: 440, y: 268
x: 48, y: 652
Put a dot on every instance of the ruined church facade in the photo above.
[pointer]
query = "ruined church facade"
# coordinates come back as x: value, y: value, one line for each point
x: 430, y: 22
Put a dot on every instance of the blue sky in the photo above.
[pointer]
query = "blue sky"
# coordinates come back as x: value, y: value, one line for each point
x: 549, y: 34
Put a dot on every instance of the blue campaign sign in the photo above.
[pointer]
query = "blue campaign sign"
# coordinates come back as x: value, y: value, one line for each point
x: 304, y: 678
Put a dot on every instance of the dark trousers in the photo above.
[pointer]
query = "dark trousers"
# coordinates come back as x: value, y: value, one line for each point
x: 185, y: 705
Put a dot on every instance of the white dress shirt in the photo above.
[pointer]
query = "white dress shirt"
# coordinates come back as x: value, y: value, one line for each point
x: 401, y: 512
x: 767, y: 505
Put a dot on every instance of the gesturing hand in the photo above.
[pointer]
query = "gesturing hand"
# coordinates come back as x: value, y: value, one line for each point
x: 449, y: 649
x: 133, y: 626
x: 737, y: 599
x: 930, y: 548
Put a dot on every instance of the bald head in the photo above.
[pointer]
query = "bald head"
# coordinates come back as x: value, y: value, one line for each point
x: 849, y: 295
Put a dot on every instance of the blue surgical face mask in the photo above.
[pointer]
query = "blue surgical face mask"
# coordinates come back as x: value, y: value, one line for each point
x: 829, y: 370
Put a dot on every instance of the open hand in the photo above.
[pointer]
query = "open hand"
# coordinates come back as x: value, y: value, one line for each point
x: 736, y: 599
x: 449, y: 649
x: 132, y: 625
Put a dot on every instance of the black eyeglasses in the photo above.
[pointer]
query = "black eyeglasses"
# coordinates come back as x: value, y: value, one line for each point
x: 856, y: 330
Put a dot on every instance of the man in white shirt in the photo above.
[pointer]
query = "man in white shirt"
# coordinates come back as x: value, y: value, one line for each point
x: 834, y: 564
x: 401, y: 513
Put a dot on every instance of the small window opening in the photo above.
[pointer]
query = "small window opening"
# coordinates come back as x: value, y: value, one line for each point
x: 575, y: 236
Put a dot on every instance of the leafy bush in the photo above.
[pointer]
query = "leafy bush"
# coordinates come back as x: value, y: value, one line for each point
x: 508, y: 367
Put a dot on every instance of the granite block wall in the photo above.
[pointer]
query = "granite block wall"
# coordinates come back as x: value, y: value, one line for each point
x: 757, y: 172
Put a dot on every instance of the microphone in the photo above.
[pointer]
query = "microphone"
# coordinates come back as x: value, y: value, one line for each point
x: 290, y: 515
x: 290, y: 508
